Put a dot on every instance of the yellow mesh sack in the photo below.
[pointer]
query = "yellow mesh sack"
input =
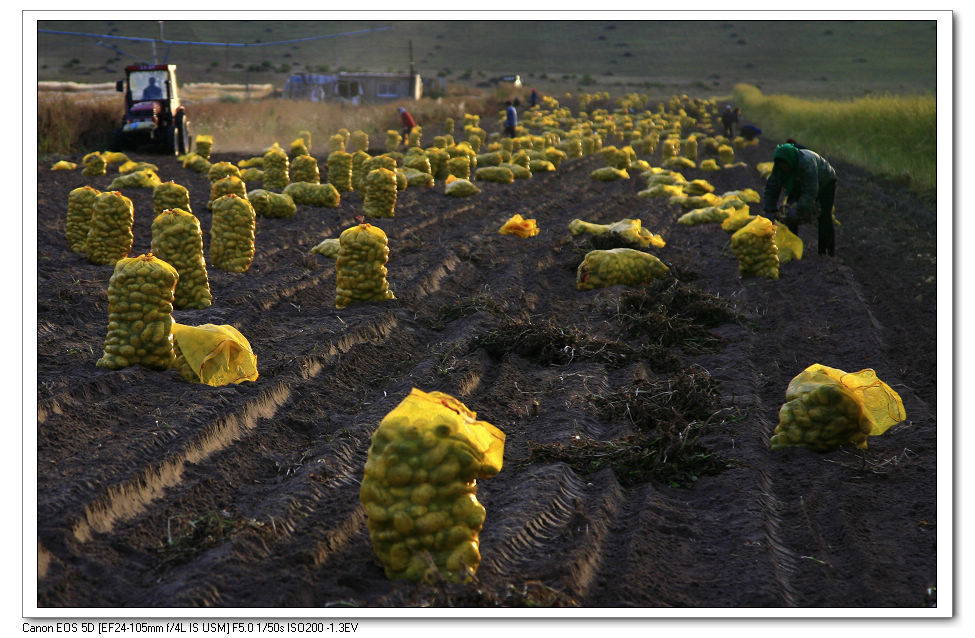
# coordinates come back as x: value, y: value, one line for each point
x: 609, y: 174
x: 419, y: 487
x: 327, y: 248
x: 177, y: 239
x: 726, y: 155
x: 630, y: 231
x: 81, y: 202
x: 417, y: 159
x: 677, y: 163
x: 360, y: 267
x: 661, y: 190
x: 519, y: 171
x: 709, y: 165
x: 663, y: 176
x: 415, y: 178
x: 115, y: 157
x: 764, y: 169
x: 252, y: 175
x: 698, y: 187
x: 706, y: 215
x: 213, y: 355
x: 827, y: 407
x: 696, y: 201
x: 203, y: 146
x: 459, y: 187
x: 359, y: 140
x: 94, y: 164
x: 110, y: 235
x: 754, y: 246
x: 140, y: 306
x: 737, y: 219
x: 788, y: 243
x: 130, y: 167
x: 64, y: 165
x: 339, y: 164
x: 304, y: 168
x: 232, y: 233
x: 625, y: 266
x: 460, y: 167
x: 169, y: 195
x: 276, y: 169
x: 271, y: 204
x: 359, y: 160
x: 519, y: 227
x: 196, y: 163
x: 308, y: 194
x: 138, y: 179
x: 298, y: 148
x: 228, y: 185
x: 379, y: 193
x: 252, y: 162
x: 221, y: 170
x: 438, y: 162
x: 747, y: 195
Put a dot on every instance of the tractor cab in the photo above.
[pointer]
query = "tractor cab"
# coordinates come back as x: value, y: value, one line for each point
x: 154, y: 115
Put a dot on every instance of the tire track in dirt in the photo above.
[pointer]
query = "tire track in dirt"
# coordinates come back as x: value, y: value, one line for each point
x: 130, y: 498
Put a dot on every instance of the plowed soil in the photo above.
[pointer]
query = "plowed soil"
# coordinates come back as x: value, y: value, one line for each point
x: 637, y: 469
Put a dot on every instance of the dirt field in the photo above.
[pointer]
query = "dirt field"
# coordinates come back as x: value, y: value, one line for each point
x: 153, y: 492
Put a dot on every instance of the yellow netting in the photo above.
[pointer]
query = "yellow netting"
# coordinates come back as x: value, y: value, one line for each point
x: 216, y: 355
x: 419, y: 487
x: 519, y: 227
x: 827, y: 407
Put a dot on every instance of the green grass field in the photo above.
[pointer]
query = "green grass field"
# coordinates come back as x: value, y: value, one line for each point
x: 827, y: 58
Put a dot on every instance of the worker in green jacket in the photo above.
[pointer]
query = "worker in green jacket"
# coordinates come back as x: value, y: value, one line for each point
x: 810, y: 184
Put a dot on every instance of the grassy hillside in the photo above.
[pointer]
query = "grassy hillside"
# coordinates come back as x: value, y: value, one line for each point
x: 891, y: 135
x: 815, y: 58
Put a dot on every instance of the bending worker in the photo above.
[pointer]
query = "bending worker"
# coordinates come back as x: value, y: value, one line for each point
x: 406, y: 121
x: 809, y: 181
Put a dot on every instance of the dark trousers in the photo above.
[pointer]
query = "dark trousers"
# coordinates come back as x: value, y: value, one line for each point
x: 827, y: 235
x: 509, y: 131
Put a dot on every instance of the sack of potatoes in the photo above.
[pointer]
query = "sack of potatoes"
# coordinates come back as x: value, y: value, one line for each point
x: 419, y: 487
x: 618, y: 266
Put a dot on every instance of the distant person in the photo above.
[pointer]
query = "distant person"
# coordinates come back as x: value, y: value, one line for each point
x: 808, y: 180
x: 152, y: 92
x: 750, y: 132
x: 407, y: 122
x: 533, y: 98
x: 510, y: 119
x: 729, y: 117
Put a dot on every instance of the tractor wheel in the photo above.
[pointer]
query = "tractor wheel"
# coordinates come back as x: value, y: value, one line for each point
x: 171, y: 144
x: 183, y: 137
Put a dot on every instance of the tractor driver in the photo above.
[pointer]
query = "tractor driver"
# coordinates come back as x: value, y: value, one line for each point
x: 152, y: 92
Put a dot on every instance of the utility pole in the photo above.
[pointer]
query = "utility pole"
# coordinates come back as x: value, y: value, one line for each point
x: 155, y: 59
